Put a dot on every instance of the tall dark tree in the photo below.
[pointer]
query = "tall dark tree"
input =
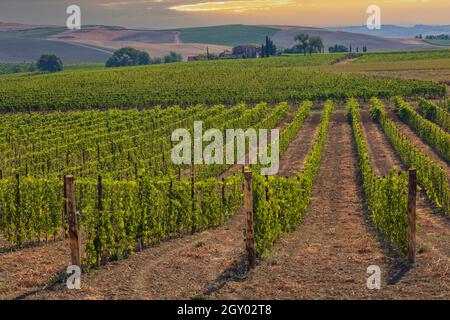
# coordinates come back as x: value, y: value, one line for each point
x: 268, y: 49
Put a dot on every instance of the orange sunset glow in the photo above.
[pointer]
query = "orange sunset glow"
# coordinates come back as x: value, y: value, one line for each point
x: 324, y: 12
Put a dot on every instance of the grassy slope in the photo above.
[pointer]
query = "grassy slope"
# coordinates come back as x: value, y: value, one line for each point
x: 41, y: 33
x: 404, y: 56
x: 9, y: 68
x: 404, y: 65
x: 278, y: 62
x: 230, y: 35
x: 84, y: 66
x: 439, y: 42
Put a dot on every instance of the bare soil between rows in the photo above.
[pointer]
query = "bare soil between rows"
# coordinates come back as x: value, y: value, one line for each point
x: 328, y: 255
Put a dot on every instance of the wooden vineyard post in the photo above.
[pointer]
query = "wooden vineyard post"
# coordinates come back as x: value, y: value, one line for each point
x: 193, y: 230
x: 243, y: 182
x: 266, y: 190
x: 250, y: 239
x: 99, y: 193
x: 412, y: 196
x: 223, y: 192
x: 64, y: 217
x: 74, y: 239
x: 224, y: 202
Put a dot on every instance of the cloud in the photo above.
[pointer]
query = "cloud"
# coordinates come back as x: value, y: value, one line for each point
x: 232, y: 6
x: 126, y: 4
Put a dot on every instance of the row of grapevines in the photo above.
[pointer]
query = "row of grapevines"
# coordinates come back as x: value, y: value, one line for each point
x: 429, y: 174
x: 150, y: 210
x: 431, y: 133
x: 30, y: 209
x: 386, y: 198
x: 279, y: 202
x: 144, y: 211
x: 434, y: 113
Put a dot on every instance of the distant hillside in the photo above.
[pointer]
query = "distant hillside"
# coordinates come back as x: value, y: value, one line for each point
x: 8, y: 26
x: 28, y: 49
x: 285, y: 38
x: 393, y: 31
x: 228, y: 35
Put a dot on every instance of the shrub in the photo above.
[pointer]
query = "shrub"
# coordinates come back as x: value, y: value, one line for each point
x: 49, y: 63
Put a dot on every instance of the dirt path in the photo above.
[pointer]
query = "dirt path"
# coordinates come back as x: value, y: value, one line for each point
x: 382, y: 162
x: 31, y: 269
x: 433, y: 230
x: 183, y: 268
x: 345, y: 61
x: 328, y: 255
x: 293, y: 159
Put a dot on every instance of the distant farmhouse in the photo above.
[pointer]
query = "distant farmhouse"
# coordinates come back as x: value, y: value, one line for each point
x: 247, y: 51
x: 227, y: 54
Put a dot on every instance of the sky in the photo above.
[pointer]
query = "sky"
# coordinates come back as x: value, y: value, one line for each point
x: 163, y: 14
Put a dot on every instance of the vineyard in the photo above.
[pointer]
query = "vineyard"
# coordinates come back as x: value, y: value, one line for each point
x: 220, y: 82
x: 86, y: 158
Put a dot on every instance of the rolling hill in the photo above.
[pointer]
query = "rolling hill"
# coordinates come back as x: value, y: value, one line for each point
x: 94, y: 43
x: 285, y: 39
x: 14, y: 49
